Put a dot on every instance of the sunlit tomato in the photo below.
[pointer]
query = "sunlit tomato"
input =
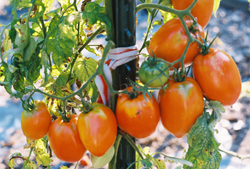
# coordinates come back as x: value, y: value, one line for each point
x: 180, y: 105
x: 35, y: 123
x: 202, y: 10
x: 218, y: 76
x: 138, y: 116
x: 65, y: 141
x: 98, y: 129
x: 151, y: 69
x: 170, y: 41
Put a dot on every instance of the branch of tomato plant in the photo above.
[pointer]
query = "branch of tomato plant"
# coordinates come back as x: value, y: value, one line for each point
x: 241, y: 157
x: 99, y: 30
x: 43, y: 26
x: 28, y: 158
x: 153, y: 14
x: 98, y: 71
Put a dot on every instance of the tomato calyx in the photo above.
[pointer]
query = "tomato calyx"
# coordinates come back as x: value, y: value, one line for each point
x: 133, y: 94
x: 180, y: 76
x: 28, y: 105
x: 206, y: 45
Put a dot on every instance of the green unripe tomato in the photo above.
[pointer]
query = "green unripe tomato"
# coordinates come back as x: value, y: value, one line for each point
x: 152, y: 68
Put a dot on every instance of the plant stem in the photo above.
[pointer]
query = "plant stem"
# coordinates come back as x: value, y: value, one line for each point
x: 234, y: 154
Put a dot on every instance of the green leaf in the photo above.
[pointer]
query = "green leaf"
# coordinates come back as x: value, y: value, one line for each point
x: 62, y: 44
x: 159, y: 163
x: 94, y: 13
x: 64, y: 3
x: 59, y: 83
x: 33, y: 66
x: 30, y: 49
x: 11, y: 52
x: 203, y: 148
x: 8, y: 78
x: 22, y: 37
x: 18, y: 83
x: 215, y: 117
x: 24, y: 4
x: 99, y: 162
x: 42, y: 157
x: 84, y: 68
x: 7, y: 41
x: 216, y: 6
x: 14, y: 8
x: 38, y: 11
x: 45, y: 63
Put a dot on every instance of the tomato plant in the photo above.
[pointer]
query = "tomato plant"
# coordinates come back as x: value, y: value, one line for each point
x: 42, y: 52
x: 218, y: 75
x: 181, y: 103
x: 170, y: 41
x: 202, y: 10
x: 154, y: 71
x: 35, y: 123
x: 97, y: 129
x: 134, y: 113
x: 64, y: 139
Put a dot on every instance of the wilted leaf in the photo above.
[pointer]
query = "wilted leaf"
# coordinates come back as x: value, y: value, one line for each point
x: 42, y: 157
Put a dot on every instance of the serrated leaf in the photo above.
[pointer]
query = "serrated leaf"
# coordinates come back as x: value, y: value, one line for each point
x: 216, y: 106
x: 203, y: 148
x: 98, y: 162
x: 30, y: 49
x: 94, y: 12
x: 7, y: 41
x: 84, y: 68
x: 216, y: 114
x: 22, y: 36
x: 216, y: 6
x: 62, y: 44
x: 42, y: 157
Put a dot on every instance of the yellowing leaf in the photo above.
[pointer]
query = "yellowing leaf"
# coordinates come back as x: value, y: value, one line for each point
x: 42, y: 157
x: 216, y: 6
x: 29, y: 143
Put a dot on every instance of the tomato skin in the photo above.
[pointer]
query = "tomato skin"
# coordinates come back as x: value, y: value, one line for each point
x: 98, y: 129
x: 202, y: 10
x: 137, y: 117
x: 65, y: 141
x: 148, y: 72
x: 180, y: 105
x: 35, y: 124
x: 218, y: 76
x: 170, y: 41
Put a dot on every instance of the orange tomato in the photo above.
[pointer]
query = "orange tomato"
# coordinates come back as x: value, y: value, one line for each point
x: 138, y: 117
x: 35, y: 123
x: 65, y: 141
x: 98, y: 129
x: 170, y: 41
x: 202, y: 10
x: 218, y: 76
x: 180, y: 105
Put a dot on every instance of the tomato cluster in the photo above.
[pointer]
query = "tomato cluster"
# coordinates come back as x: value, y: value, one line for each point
x: 70, y: 136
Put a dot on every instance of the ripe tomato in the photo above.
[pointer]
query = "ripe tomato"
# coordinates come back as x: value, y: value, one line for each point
x: 35, y: 123
x: 65, y: 141
x: 180, y: 105
x: 151, y: 69
x: 98, y: 129
x: 137, y: 117
x: 202, y: 10
x: 218, y: 76
x: 170, y: 41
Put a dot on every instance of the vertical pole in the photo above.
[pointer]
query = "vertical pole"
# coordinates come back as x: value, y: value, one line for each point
x: 123, y: 34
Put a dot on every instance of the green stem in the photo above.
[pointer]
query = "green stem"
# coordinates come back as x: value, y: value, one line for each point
x: 112, y: 163
x: 43, y: 26
x: 28, y: 158
x: 234, y: 154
